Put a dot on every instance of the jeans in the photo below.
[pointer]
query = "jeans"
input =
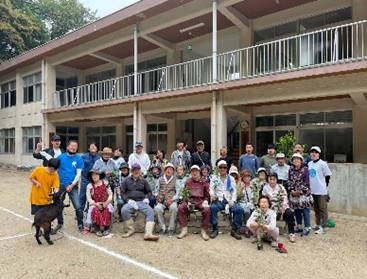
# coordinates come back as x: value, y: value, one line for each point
x: 306, y: 216
x: 236, y: 210
x: 144, y: 208
x: 120, y: 204
x: 152, y: 201
x: 83, y: 194
x: 74, y: 197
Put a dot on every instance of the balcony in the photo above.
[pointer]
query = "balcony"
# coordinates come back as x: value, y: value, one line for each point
x: 336, y: 45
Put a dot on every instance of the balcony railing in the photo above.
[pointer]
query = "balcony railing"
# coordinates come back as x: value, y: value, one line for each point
x: 340, y: 44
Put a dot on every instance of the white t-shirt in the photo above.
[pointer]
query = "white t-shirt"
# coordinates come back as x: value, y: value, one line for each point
x: 318, y: 172
x: 57, y: 153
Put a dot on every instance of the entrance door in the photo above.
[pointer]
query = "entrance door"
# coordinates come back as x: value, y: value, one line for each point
x: 245, y: 138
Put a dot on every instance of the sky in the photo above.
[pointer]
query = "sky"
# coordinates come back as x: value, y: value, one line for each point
x: 107, y: 7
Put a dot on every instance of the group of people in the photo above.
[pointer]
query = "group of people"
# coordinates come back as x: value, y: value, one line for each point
x: 256, y: 194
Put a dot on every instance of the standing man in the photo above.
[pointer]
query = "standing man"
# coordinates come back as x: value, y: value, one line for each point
x: 89, y: 159
x: 223, y: 193
x: 181, y: 156
x: 200, y: 197
x: 281, y: 169
x: 48, y: 153
x: 200, y: 157
x: 135, y: 191
x: 224, y: 156
x: 269, y: 160
x: 70, y: 171
x: 319, y: 181
x: 140, y: 157
x: 167, y: 198
x: 298, y: 148
x: 249, y: 161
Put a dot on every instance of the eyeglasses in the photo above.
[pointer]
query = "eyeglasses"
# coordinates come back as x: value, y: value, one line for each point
x: 223, y: 168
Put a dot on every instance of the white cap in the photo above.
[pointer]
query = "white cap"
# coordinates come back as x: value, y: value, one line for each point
x: 195, y: 167
x: 169, y: 165
x: 280, y: 155
x: 297, y: 155
x: 221, y: 162
x: 260, y: 170
x: 233, y: 169
x: 315, y: 148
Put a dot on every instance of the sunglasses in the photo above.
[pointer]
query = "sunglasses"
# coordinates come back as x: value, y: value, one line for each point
x: 223, y: 168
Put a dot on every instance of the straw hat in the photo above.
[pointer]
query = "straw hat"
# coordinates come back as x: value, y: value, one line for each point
x: 106, y: 151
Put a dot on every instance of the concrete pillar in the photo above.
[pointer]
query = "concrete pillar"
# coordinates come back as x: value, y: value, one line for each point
x: 171, y: 137
x: 221, y: 124
x: 49, y: 89
x: 119, y: 138
x: 359, y: 12
x: 81, y: 79
x: 246, y: 36
x: 359, y: 134
x: 83, y: 143
x: 213, y: 129
x: 18, y: 124
x: 141, y: 126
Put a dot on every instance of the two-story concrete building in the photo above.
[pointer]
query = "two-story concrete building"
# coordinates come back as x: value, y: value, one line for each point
x: 225, y: 71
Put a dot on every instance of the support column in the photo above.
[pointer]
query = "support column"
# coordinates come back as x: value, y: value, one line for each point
x: 221, y: 124
x: 142, y: 126
x: 359, y: 134
x: 49, y: 87
x: 213, y: 130
x: 215, y: 78
x: 136, y: 59
x: 119, y: 139
x: 359, y: 11
x: 171, y: 137
x: 18, y: 121
x: 83, y: 142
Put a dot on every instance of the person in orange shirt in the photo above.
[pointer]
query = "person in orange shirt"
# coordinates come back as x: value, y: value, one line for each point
x: 45, y: 180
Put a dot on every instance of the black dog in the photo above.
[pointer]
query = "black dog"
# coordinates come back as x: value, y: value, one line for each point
x: 44, y: 216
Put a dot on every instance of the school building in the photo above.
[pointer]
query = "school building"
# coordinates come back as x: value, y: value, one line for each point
x: 222, y: 71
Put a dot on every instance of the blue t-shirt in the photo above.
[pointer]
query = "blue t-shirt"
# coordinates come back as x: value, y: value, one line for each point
x: 68, y: 167
x: 251, y: 163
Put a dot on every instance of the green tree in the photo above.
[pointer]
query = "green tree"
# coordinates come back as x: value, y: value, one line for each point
x: 18, y: 32
x: 63, y: 16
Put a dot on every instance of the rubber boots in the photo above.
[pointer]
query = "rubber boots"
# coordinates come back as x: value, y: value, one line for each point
x: 183, y: 233
x: 204, y: 235
x: 214, y: 232
x: 129, y: 224
x: 149, y: 227
x: 235, y: 233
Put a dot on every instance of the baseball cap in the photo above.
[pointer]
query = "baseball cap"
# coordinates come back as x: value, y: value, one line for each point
x: 200, y: 142
x: 138, y: 143
x: 316, y: 148
x: 195, y: 167
x: 221, y: 162
x: 169, y: 165
x: 55, y: 137
x: 135, y: 166
x: 279, y: 155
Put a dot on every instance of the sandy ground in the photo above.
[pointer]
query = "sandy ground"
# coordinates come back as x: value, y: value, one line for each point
x: 340, y: 253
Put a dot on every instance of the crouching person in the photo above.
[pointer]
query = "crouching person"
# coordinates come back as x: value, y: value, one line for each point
x: 200, y: 196
x: 99, y: 196
x: 223, y: 192
x: 136, y: 192
x: 263, y: 224
x: 167, y: 199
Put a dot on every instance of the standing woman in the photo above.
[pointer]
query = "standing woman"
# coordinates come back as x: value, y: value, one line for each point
x: 301, y: 199
x: 159, y: 159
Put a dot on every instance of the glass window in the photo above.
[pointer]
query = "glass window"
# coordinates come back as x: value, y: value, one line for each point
x: 7, y: 95
x: 157, y: 137
x: 285, y: 120
x: 67, y: 134
x: 108, y: 130
x: 31, y: 135
x: 103, y: 136
x: 263, y: 138
x: 312, y: 119
x: 339, y: 141
x: 7, y: 141
x: 32, y: 89
x: 339, y: 117
x: 265, y: 121
x: 129, y: 129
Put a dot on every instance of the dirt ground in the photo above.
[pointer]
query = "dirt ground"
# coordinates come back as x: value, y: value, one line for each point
x: 340, y: 253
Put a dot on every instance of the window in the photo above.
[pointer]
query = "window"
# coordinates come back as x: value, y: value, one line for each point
x: 8, y: 94
x: 100, y: 76
x: 31, y: 135
x: 332, y: 131
x: 66, y: 134
x: 103, y: 136
x: 157, y: 137
x: 32, y: 88
x: 7, y: 141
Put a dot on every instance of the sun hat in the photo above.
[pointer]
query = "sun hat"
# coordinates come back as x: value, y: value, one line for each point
x: 102, y: 175
x: 315, y: 148
x: 297, y: 155
x: 233, y: 169
x: 106, y: 151
x: 260, y: 170
x: 169, y: 165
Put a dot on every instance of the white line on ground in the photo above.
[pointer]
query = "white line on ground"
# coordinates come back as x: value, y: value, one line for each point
x: 104, y: 250
x: 14, y: 236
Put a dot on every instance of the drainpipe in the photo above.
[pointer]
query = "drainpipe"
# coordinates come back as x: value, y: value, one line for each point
x: 215, y: 79
x: 43, y: 102
x: 136, y: 59
x: 213, y: 130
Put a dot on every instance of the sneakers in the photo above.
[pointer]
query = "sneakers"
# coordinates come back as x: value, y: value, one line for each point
x: 298, y: 230
x: 316, y: 227
x: 170, y: 233
x: 305, y: 233
x: 80, y: 228
x: 56, y: 229
x: 274, y: 244
x: 162, y: 232
x: 320, y: 231
x: 254, y: 240
x: 292, y: 238
x: 247, y: 233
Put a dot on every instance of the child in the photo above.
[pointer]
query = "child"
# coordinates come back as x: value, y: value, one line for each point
x: 44, y: 179
x: 279, y: 203
x: 99, y: 196
x: 263, y: 223
x: 246, y: 198
x: 319, y: 180
x: 153, y: 175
